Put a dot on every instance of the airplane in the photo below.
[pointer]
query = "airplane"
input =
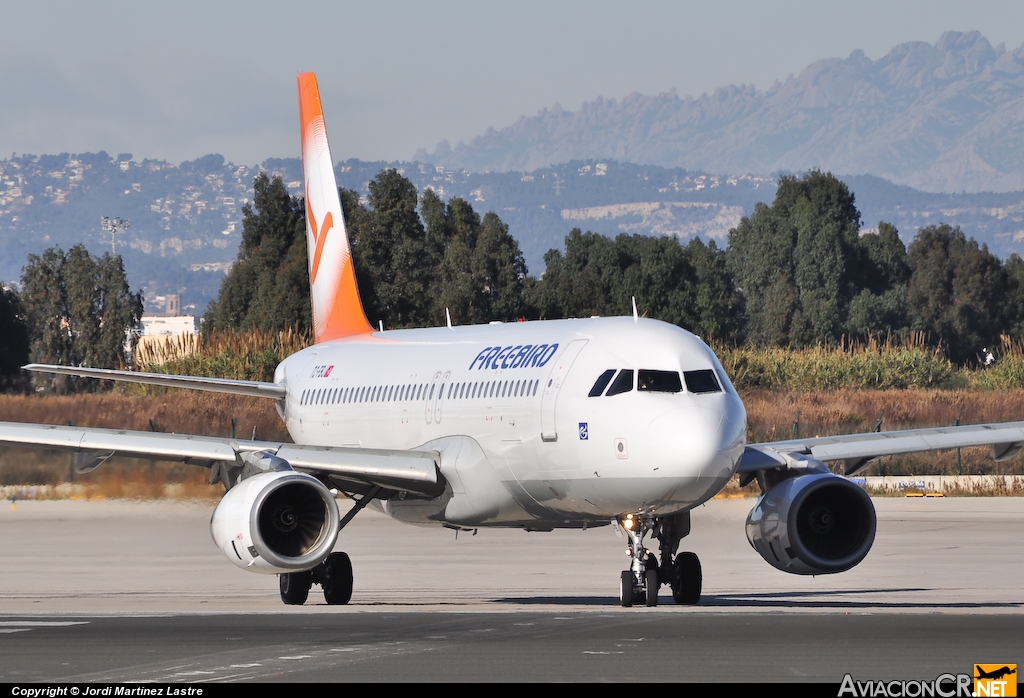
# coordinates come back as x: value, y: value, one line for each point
x: 994, y: 674
x: 576, y: 423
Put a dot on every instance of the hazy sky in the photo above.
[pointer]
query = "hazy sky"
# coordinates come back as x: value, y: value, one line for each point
x: 176, y: 80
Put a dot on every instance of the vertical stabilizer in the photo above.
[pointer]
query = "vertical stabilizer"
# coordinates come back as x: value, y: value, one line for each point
x: 337, y: 310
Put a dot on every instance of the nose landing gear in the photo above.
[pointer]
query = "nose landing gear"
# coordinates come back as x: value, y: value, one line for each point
x: 682, y: 572
x: 640, y: 582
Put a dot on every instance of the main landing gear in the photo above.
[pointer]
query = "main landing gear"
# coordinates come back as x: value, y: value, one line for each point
x: 333, y: 574
x: 641, y: 582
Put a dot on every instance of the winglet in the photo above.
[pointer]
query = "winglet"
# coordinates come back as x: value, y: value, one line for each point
x: 337, y: 310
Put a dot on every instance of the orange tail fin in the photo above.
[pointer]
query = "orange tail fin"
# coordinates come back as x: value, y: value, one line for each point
x: 337, y: 310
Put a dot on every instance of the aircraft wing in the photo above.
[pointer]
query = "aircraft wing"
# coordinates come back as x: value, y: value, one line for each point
x: 217, y: 385
x: 857, y: 450
x: 410, y: 471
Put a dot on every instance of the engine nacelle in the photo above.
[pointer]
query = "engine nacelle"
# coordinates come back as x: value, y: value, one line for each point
x: 813, y: 524
x: 276, y: 522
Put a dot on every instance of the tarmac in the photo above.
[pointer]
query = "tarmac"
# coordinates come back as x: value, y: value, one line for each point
x: 124, y: 591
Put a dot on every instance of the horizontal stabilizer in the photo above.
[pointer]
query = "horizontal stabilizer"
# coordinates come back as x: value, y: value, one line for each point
x: 216, y: 385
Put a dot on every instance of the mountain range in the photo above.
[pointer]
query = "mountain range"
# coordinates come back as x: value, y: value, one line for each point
x: 942, y: 117
x: 929, y: 133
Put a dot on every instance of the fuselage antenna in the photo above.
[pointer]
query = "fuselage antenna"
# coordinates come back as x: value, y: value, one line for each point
x: 636, y: 317
x: 448, y: 317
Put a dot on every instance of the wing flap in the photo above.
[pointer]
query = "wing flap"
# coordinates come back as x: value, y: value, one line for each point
x: 216, y: 385
x: 1004, y: 438
x: 412, y: 471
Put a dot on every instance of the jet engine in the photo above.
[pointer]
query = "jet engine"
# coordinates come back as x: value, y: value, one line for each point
x: 813, y: 524
x: 276, y: 522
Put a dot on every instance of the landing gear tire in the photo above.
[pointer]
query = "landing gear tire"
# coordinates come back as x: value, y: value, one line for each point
x: 651, y: 584
x: 626, y: 589
x: 337, y: 579
x: 651, y: 563
x: 686, y: 586
x: 295, y: 587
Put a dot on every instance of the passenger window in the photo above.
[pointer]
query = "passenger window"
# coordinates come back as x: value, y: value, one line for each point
x: 601, y: 383
x: 623, y: 382
x: 703, y: 381
x: 658, y: 381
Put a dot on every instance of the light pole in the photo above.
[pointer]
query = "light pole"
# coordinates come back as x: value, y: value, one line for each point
x: 115, y: 226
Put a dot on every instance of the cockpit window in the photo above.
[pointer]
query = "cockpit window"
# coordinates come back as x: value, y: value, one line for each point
x: 623, y: 383
x: 658, y: 381
x: 703, y: 381
x: 601, y: 383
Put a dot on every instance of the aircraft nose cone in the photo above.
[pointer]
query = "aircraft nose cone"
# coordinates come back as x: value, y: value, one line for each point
x: 687, y: 441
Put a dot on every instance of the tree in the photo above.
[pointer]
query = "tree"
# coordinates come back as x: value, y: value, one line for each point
x: 407, y: 272
x: 719, y: 313
x: 687, y: 286
x: 499, y: 272
x: 957, y: 292
x: 760, y: 258
x: 880, y: 308
x: 395, y: 255
x: 268, y: 286
x: 799, y: 262
x: 482, y: 275
x: 79, y: 310
x: 15, y: 345
x: 582, y: 282
x: 1015, y: 307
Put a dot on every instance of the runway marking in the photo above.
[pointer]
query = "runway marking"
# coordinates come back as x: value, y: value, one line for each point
x: 245, y: 666
x: 298, y: 656
x: 41, y: 623
x: 8, y: 627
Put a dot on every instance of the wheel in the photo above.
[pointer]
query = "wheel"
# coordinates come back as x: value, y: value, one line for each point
x: 626, y: 589
x: 337, y: 582
x: 652, y: 586
x: 651, y: 563
x: 687, y: 584
x: 295, y: 587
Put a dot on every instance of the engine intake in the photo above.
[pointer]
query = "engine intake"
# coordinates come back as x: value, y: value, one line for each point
x: 276, y: 522
x: 813, y: 524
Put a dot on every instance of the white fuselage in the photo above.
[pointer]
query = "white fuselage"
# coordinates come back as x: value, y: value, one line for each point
x: 507, y: 406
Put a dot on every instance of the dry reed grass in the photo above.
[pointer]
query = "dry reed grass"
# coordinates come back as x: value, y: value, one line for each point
x: 875, y: 365
x: 772, y: 417
x: 828, y: 390
x: 871, y: 364
x: 244, y: 355
x: 172, y: 411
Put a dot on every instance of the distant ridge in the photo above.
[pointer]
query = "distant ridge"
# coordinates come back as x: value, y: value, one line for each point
x: 186, y: 219
x: 942, y: 117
